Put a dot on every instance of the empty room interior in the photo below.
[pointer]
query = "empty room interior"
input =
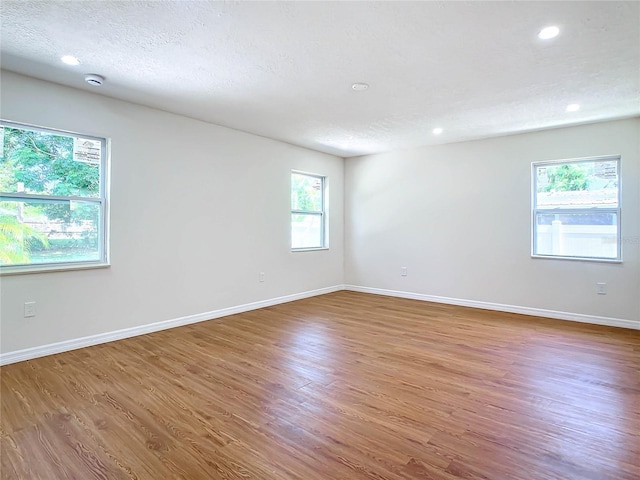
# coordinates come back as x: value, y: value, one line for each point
x: 320, y: 240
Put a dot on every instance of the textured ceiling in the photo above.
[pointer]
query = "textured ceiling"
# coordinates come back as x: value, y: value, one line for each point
x: 284, y: 69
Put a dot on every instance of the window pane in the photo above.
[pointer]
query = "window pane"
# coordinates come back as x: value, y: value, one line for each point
x: 48, y: 164
x: 577, y: 235
x: 39, y: 232
x: 306, y: 193
x: 577, y: 185
x: 306, y: 231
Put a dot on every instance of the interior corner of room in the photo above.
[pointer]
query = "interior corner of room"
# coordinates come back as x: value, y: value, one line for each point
x: 425, y: 161
x: 320, y: 240
x: 197, y: 214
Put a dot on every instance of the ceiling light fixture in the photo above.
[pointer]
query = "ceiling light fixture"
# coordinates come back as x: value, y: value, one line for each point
x: 437, y: 131
x: 548, y: 32
x: 573, y: 107
x: 70, y: 60
x: 360, y: 87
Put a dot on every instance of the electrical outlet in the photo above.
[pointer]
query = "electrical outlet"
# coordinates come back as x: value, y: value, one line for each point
x: 601, y: 288
x: 29, y: 309
x: 261, y: 277
x: 403, y: 271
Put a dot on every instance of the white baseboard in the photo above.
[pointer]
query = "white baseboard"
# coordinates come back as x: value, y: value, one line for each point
x: 537, y: 312
x: 53, y: 348
x: 50, y: 349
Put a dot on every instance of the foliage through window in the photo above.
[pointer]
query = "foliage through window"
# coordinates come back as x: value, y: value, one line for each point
x: 307, y: 211
x: 52, y: 199
x: 576, y: 209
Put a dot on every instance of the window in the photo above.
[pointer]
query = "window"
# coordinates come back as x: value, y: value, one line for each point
x: 308, y: 218
x: 52, y: 199
x: 576, y: 209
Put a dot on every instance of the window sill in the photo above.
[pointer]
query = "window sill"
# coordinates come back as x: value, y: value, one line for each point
x: 580, y: 259
x: 9, y: 270
x: 308, y: 249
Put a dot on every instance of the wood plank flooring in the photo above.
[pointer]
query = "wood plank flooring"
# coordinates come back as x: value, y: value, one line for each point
x: 341, y: 386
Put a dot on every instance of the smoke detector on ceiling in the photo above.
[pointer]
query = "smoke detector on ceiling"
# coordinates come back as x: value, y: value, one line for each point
x: 95, y: 80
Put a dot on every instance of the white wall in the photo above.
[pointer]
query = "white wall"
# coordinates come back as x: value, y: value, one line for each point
x: 458, y: 217
x: 197, y: 211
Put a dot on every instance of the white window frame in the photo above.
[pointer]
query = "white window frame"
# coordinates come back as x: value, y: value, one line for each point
x: 102, y: 201
x: 321, y: 213
x: 535, y: 210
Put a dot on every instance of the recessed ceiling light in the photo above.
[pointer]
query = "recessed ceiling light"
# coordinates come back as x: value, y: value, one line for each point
x: 359, y: 87
x: 70, y: 60
x: 548, y: 32
x: 573, y: 107
x: 437, y: 131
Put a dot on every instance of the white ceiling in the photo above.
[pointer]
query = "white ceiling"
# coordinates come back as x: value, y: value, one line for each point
x: 284, y: 69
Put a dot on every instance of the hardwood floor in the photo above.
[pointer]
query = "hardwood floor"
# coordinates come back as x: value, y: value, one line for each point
x: 341, y: 386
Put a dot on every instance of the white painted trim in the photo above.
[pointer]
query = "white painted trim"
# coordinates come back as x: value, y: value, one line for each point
x: 50, y: 349
x: 53, y: 348
x: 537, y: 312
